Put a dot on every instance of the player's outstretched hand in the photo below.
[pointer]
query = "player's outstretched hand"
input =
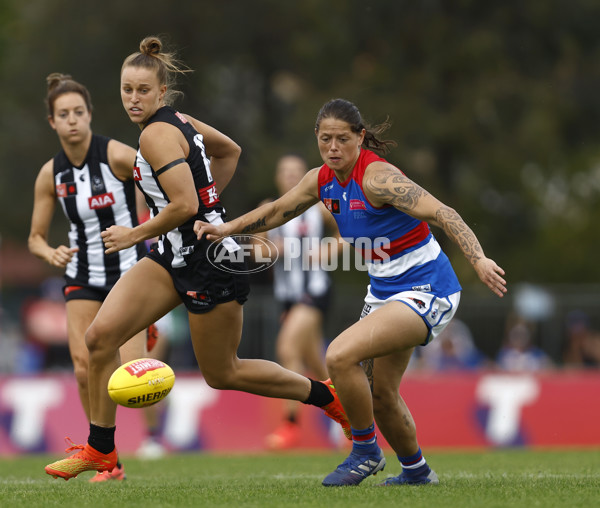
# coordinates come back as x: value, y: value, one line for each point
x: 491, y: 275
x: 210, y: 231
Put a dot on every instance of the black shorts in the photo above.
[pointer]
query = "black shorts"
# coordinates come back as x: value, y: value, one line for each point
x: 201, y: 285
x: 74, y: 290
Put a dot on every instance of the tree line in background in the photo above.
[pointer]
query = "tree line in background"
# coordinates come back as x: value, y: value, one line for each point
x: 494, y: 105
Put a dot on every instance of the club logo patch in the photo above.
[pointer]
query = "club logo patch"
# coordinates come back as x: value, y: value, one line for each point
x: 333, y: 205
x: 64, y: 190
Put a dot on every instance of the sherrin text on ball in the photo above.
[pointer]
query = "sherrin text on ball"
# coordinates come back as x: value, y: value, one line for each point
x: 141, y: 383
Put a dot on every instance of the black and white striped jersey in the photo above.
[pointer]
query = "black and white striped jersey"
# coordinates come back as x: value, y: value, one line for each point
x: 180, y: 243
x: 298, y: 270
x: 93, y: 199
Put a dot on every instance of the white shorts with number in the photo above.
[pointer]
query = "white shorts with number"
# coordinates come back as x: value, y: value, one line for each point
x: 435, y: 311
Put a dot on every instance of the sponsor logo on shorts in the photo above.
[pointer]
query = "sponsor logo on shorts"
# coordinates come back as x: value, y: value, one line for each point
x: 419, y: 303
x: 184, y: 251
x: 70, y: 289
x: 366, y: 310
x: 200, y: 298
x: 425, y: 288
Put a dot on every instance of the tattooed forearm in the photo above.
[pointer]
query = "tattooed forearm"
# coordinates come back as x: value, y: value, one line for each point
x: 456, y: 229
x: 391, y: 187
x: 255, y: 225
x: 367, y: 366
x: 290, y: 214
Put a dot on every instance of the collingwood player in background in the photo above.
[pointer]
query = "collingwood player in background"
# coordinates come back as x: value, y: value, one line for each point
x: 92, y: 179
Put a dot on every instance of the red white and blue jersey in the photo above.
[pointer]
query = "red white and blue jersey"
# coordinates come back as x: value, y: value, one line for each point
x: 93, y: 199
x: 400, y: 251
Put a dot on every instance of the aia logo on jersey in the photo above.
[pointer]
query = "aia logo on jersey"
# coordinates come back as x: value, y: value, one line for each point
x: 333, y: 205
x: 137, y: 174
x: 101, y: 201
x: 209, y: 195
x: 64, y: 190
x: 357, y: 204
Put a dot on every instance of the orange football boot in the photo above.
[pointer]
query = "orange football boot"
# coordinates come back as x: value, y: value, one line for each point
x: 286, y: 436
x: 88, y: 459
x: 336, y: 412
x: 118, y: 474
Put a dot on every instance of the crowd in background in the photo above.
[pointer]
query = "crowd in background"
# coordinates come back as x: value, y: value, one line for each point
x: 37, y: 341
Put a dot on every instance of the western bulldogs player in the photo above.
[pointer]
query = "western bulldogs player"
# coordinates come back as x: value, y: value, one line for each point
x: 413, y: 291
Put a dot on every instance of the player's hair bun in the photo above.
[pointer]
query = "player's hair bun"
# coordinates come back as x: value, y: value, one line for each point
x: 54, y: 79
x: 150, y: 45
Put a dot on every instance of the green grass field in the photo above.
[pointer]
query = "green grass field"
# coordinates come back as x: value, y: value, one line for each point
x: 511, y: 478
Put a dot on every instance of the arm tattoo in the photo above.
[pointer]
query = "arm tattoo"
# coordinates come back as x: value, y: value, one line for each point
x: 255, y: 225
x: 459, y: 232
x: 367, y: 366
x: 290, y: 214
x: 392, y: 187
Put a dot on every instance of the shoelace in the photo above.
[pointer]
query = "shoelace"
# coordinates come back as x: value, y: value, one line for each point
x: 72, y: 446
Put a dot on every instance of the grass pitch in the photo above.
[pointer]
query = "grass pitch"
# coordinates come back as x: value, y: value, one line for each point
x: 506, y: 478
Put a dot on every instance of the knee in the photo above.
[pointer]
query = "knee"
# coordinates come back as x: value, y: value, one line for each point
x: 336, y: 360
x: 92, y: 338
x: 80, y: 369
x: 218, y: 379
x: 96, y: 338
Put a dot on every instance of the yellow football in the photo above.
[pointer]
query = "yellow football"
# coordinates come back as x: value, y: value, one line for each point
x: 141, y: 383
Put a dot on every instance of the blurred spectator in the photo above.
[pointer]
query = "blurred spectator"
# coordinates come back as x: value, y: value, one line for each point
x: 45, y: 327
x: 582, y: 348
x: 453, y: 349
x: 519, y: 353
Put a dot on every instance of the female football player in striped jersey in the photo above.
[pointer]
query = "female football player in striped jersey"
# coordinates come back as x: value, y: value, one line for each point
x: 181, y: 166
x: 303, y: 296
x: 413, y: 291
x: 92, y: 179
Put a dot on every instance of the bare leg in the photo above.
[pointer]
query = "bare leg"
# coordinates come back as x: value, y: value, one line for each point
x: 80, y: 314
x: 300, y: 344
x: 389, y: 330
x: 141, y: 296
x: 216, y: 336
x: 391, y: 413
